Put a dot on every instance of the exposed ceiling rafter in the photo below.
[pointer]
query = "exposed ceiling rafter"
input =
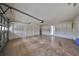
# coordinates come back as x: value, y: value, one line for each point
x: 10, y: 7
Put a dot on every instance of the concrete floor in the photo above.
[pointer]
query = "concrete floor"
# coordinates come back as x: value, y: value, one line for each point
x: 41, y: 46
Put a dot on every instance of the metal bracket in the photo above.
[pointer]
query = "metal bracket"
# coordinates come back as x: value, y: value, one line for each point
x: 3, y: 12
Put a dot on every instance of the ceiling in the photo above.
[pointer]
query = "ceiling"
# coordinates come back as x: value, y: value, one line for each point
x: 51, y: 13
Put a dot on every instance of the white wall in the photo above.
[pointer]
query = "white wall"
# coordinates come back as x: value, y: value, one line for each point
x: 62, y: 30
x: 23, y: 30
x: 46, y: 30
x: 65, y: 29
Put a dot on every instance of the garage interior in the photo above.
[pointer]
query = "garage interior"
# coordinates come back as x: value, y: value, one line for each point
x: 39, y: 29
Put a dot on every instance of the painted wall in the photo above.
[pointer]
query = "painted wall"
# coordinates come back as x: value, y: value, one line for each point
x: 65, y: 29
x: 23, y: 30
x: 46, y: 30
x: 61, y: 29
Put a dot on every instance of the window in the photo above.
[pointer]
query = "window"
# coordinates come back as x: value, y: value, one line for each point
x: 52, y: 30
x: 4, y: 30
